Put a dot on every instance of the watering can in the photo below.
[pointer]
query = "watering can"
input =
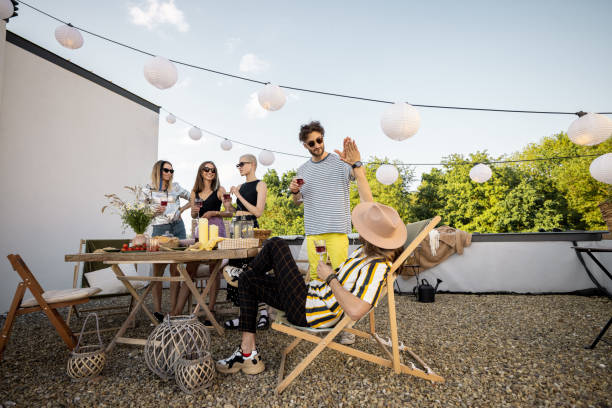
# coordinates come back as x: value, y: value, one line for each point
x: 425, y: 292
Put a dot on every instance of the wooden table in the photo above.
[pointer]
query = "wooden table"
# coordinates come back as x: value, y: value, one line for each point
x: 162, y: 257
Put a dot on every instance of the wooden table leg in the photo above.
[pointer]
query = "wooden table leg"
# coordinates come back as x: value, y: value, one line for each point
x: 131, y: 316
x: 200, y: 298
x: 133, y: 292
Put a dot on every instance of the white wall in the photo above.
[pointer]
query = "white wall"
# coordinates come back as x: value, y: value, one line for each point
x: 64, y: 143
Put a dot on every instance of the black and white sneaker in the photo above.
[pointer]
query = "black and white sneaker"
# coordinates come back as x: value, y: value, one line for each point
x: 237, y: 361
x: 231, y: 274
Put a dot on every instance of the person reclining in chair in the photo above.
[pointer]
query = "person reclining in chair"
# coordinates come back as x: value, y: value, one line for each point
x: 353, y: 288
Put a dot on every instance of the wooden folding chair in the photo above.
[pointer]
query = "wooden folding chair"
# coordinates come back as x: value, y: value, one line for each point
x: 48, y: 302
x: 392, y: 361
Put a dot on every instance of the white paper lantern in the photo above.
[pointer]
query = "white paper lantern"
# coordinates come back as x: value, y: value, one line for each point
x: 400, y: 121
x: 266, y: 157
x: 226, y: 145
x: 195, y: 133
x: 601, y: 168
x: 171, y: 119
x: 6, y: 9
x: 69, y: 37
x: 271, y: 97
x: 387, y: 174
x: 590, y: 129
x: 480, y: 173
x: 160, y: 72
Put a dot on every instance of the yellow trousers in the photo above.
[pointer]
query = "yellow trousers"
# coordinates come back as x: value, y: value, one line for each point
x: 337, y: 250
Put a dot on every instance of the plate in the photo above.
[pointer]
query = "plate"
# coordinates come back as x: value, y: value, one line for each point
x: 112, y: 250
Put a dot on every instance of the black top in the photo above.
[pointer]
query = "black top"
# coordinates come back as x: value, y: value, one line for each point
x: 212, y: 203
x: 248, y: 191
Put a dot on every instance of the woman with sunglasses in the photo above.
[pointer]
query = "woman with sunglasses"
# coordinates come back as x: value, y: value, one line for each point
x: 211, y: 195
x: 164, y: 196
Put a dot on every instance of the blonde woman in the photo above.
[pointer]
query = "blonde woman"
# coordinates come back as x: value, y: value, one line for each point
x: 164, y: 196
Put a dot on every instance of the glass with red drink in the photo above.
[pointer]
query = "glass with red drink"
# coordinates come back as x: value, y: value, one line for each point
x: 321, y: 249
x: 227, y: 197
x: 299, y: 181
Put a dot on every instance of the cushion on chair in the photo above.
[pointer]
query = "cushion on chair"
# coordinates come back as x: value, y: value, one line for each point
x: 106, y: 280
x: 413, y: 229
x: 64, y: 295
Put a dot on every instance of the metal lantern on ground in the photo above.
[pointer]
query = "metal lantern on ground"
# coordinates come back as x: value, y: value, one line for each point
x: 160, y: 72
x: 226, y: 145
x: 271, y: 97
x: 171, y: 118
x: 6, y: 9
x: 266, y: 157
x: 69, y: 36
x: 195, y: 133
x: 480, y: 173
x: 400, y: 121
x: 601, y: 168
x: 387, y: 174
x: 590, y: 129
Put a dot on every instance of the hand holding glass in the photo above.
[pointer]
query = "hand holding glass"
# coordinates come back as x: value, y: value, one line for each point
x: 321, y: 249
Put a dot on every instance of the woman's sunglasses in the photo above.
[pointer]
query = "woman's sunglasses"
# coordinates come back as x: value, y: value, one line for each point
x: 239, y: 165
x: 319, y: 140
x: 168, y: 171
x: 209, y: 170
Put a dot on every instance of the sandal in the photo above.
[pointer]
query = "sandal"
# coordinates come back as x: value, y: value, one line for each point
x: 264, y: 322
x: 231, y: 324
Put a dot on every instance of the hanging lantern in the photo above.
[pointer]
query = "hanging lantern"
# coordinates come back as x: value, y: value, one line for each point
x: 590, y: 129
x: 266, y: 157
x: 601, y: 168
x: 160, y: 73
x: 195, y: 133
x: 171, y: 119
x: 226, y: 145
x: 6, y: 9
x: 400, y: 121
x: 480, y: 173
x: 271, y: 97
x: 69, y: 36
x: 387, y: 174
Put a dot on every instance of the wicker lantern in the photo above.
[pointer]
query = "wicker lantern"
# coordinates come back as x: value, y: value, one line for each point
x: 160, y: 72
x: 6, y: 9
x: 170, y: 340
x: 226, y: 145
x: 271, y: 97
x: 195, y: 371
x: 171, y: 119
x: 195, y: 133
x: 387, y: 174
x: 480, y: 173
x: 590, y: 129
x: 87, y: 361
x: 69, y: 36
x: 601, y: 168
x: 266, y: 157
x: 400, y: 121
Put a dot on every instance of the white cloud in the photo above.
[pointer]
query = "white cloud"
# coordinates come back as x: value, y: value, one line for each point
x: 157, y: 12
x: 231, y: 44
x: 253, y: 109
x: 252, y: 63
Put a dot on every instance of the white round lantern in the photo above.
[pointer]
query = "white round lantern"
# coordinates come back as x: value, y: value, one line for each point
x: 171, y: 119
x: 271, y: 97
x: 601, y: 168
x: 195, y: 133
x: 6, y: 9
x: 480, y: 173
x: 590, y: 129
x: 69, y: 36
x: 387, y: 174
x: 226, y: 145
x: 400, y: 121
x: 160, y: 73
x: 266, y: 157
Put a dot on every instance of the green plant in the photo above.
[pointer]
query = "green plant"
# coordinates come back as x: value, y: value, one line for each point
x: 136, y: 215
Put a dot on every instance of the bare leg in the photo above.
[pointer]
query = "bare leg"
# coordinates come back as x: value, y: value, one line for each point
x: 183, y: 294
x: 212, y: 295
x: 174, y: 286
x: 248, y: 342
x: 158, y: 270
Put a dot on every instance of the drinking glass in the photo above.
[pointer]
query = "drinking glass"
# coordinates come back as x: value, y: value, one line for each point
x: 198, y: 202
x: 227, y: 197
x: 321, y: 249
x: 299, y: 181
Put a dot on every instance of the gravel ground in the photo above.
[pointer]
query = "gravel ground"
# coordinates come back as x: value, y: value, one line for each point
x: 493, y: 350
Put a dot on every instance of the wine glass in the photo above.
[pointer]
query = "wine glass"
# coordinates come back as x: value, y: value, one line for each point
x: 299, y: 181
x: 198, y: 203
x: 321, y: 249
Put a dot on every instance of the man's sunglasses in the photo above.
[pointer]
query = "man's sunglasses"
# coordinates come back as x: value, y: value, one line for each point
x: 168, y: 171
x: 239, y: 165
x: 209, y: 170
x: 319, y: 140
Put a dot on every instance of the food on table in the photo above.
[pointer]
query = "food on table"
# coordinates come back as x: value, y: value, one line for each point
x: 205, y: 246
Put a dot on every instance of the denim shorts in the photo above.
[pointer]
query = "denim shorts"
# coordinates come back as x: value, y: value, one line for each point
x: 176, y: 228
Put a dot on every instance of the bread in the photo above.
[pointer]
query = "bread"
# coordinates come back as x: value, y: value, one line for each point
x: 168, y: 242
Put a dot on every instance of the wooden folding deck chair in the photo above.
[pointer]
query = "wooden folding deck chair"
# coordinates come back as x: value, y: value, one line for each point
x: 48, y: 302
x: 393, y: 361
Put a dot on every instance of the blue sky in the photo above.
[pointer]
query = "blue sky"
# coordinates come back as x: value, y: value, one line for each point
x: 537, y: 55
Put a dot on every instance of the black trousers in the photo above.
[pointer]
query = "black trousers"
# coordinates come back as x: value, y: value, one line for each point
x: 285, y: 290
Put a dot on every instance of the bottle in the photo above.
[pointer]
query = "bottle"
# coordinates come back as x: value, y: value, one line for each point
x: 235, y: 227
x: 244, y: 227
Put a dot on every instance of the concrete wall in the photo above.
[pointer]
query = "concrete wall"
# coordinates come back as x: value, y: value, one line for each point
x: 64, y: 143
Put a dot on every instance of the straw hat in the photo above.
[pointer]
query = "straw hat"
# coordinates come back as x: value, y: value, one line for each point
x: 379, y: 224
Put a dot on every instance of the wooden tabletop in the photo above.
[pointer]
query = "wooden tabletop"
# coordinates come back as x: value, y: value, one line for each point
x: 165, y: 256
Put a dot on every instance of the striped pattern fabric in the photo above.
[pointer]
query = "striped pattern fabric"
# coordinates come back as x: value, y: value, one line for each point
x: 361, y: 276
x: 326, y: 195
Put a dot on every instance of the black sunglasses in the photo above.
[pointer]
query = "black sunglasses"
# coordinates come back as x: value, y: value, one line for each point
x: 319, y: 140
x: 209, y: 170
x: 168, y: 171
x: 239, y: 165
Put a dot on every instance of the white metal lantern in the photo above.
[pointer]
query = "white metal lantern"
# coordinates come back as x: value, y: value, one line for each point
x: 6, y: 9
x: 69, y: 36
x: 226, y: 145
x: 400, y: 121
x: 271, y: 97
x: 266, y: 157
x: 480, y: 173
x: 590, y: 129
x: 171, y: 118
x: 387, y: 174
x: 601, y: 168
x: 195, y: 133
x: 160, y: 72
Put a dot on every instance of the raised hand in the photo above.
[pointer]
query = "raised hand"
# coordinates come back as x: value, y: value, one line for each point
x: 350, y: 153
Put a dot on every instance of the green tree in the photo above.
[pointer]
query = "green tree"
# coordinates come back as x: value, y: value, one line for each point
x: 281, y: 215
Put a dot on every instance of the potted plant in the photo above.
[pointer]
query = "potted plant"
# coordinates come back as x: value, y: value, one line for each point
x: 136, y: 215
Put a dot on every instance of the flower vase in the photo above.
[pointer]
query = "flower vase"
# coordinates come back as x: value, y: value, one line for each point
x: 139, y: 240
